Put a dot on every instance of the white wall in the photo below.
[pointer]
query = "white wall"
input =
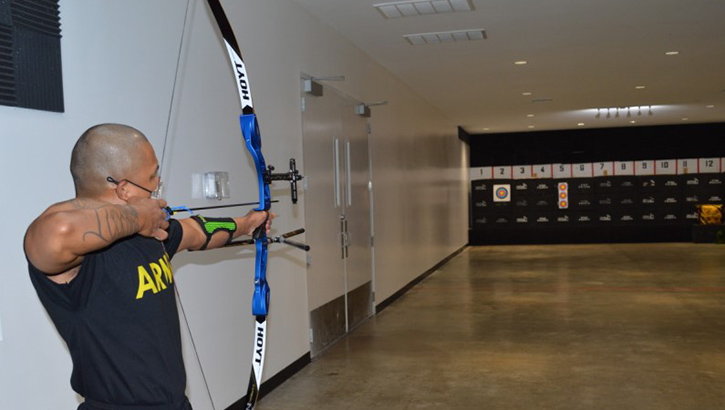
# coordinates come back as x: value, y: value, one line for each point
x: 119, y: 62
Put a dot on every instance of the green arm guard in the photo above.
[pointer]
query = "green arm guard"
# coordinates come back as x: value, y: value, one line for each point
x: 210, y: 226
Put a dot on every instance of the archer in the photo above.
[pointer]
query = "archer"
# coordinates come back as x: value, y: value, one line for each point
x: 100, y: 264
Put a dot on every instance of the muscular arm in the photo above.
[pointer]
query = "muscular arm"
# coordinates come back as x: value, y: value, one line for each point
x: 57, y: 240
x: 194, y: 237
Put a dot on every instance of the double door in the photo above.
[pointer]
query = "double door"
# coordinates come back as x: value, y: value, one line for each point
x: 337, y: 216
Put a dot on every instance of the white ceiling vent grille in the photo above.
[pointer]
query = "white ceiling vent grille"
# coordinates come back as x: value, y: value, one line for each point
x: 418, y: 8
x: 445, y: 37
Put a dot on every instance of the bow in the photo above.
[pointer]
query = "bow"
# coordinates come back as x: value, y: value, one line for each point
x: 253, y: 141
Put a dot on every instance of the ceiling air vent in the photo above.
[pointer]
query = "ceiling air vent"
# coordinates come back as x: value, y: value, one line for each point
x: 446, y: 37
x: 418, y: 8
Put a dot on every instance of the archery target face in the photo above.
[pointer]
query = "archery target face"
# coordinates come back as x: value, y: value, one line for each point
x: 502, y: 193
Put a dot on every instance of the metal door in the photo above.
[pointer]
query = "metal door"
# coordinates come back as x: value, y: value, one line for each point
x: 337, y: 216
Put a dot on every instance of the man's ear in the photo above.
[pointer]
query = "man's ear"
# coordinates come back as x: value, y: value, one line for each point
x: 122, y: 191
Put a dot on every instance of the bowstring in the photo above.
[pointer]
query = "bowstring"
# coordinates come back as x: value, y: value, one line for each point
x: 161, y: 164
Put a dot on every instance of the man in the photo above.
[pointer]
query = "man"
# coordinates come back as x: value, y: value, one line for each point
x: 100, y: 264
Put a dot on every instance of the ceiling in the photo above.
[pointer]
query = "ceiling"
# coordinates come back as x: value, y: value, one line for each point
x: 581, y: 55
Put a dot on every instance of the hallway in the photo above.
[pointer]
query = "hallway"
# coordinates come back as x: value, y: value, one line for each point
x: 624, y: 326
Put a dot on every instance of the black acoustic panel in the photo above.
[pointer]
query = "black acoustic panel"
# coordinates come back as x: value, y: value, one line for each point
x: 582, y: 186
x: 605, y: 202
x: 6, y: 18
x: 38, y: 70
x: 521, y: 186
x: 543, y: 219
x: 669, y: 183
x: 713, y: 198
x: 481, y: 221
x: 544, y: 203
x: 668, y: 199
x: 30, y: 60
x: 692, y: 182
x: 481, y: 204
x: 625, y: 217
x: 605, y: 185
x: 502, y: 219
x: 585, y: 218
x: 481, y: 189
x: 8, y: 89
x: 690, y: 215
x: 501, y: 207
x: 580, y: 202
x: 42, y: 16
x: 543, y: 187
x: 714, y: 180
x: 521, y: 202
x: 522, y: 218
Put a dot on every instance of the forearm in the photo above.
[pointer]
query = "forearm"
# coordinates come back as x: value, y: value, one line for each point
x: 97, y: 225
x: 59, y: 238
x: 202, y: 233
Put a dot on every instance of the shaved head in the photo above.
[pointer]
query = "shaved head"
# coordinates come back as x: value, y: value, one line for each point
x: 104, y: 150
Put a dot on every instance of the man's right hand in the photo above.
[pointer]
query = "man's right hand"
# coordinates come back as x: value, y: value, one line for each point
x: 151, y: 217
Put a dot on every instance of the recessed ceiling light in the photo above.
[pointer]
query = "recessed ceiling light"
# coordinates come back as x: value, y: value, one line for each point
x: 633, y: 122
x: 672, y: 53
x: 685, y: 119
x: 445, y: 37
x: 521, y: 62
x: 418, y: 8
x: 531, y: 126
x: 581, y: 124
x: 710, y: 106
x: 486, y: 129
x: 526, y: 93
x: 530, y: 115
x: 640, y: 87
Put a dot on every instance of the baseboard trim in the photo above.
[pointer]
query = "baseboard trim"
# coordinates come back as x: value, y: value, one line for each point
x: 395, y: 296
x: 276, y: 380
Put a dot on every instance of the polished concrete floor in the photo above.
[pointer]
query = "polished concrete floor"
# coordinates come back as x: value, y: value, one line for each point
x: 537, y: 327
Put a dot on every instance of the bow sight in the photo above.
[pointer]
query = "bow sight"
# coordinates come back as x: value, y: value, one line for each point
x: 292, y: 176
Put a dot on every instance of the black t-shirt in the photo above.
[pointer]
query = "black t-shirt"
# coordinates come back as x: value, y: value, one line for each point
x: 119, y: 319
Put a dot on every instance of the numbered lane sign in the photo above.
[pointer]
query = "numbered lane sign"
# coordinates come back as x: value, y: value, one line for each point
x: 562, y: 170
x: 603, y: 169
x: 709, y: 165
x: 502, y: 172
x: 624, y: 168
x: 522, y: 171
x: 582, y: 170
x: 644, y: 167
x: 481, y: 173
x: 687, y: 166
x: 666, y: 167
x: 542, y: 171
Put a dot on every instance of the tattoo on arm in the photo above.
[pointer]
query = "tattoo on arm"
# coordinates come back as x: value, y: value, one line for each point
x: 112, y: 222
